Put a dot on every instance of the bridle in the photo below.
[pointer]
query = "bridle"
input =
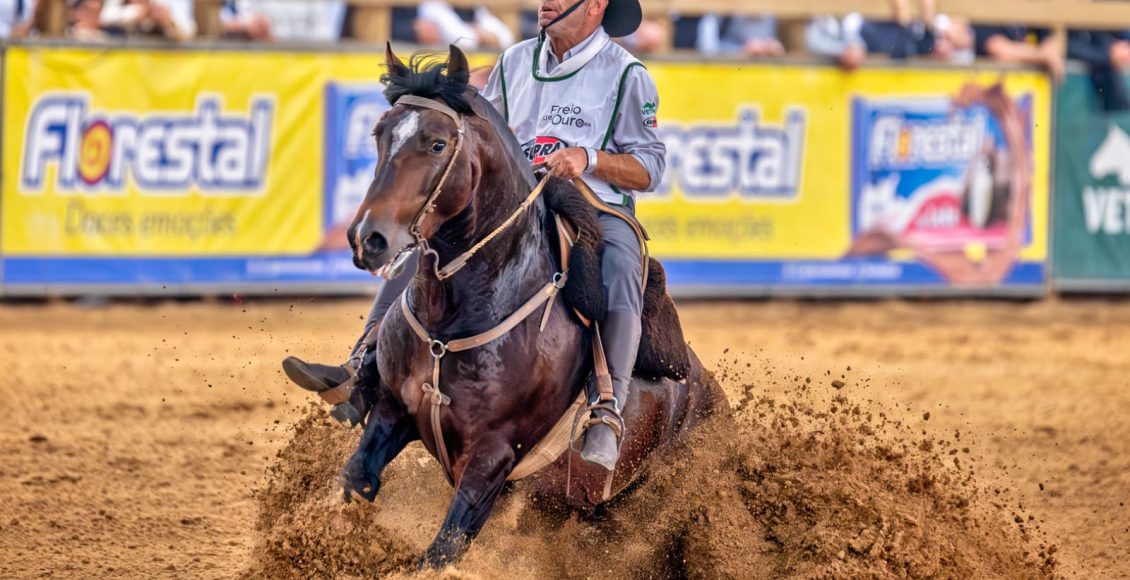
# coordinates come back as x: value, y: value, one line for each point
x: 430, y: 203
x: 545, y: 296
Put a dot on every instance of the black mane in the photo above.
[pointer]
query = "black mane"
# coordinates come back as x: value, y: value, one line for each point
x: 427, y: 77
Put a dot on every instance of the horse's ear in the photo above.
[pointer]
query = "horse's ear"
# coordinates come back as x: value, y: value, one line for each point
x: 394, y: 64
x: 457, y: 67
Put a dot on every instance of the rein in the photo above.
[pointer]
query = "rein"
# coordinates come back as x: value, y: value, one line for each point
x: 429, y: 205
x: 438, y: 349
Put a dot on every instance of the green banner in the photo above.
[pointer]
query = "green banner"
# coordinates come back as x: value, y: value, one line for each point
x: 1092, y: 194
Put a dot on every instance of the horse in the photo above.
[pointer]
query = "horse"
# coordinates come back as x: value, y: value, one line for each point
x: 453, y: 184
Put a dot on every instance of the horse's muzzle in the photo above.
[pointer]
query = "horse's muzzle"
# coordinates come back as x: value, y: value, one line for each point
x: 370, y: 247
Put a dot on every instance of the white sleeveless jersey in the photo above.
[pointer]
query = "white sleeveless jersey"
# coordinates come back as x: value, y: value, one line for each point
x: 574, y: 104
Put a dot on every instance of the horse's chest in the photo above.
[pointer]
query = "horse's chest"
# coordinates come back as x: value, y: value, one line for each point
x: 471, y: 379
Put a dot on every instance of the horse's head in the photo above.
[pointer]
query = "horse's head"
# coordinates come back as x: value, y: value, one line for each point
x: 429, y: 166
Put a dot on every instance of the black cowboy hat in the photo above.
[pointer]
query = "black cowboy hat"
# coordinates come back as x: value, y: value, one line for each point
x: 622, y: 17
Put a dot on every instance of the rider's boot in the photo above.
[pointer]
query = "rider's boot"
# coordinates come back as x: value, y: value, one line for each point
x: 351, y: 405
x: 319, y: 378
x: 620, y: 333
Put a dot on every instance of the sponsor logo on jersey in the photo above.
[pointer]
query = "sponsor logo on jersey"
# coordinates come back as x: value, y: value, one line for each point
x: 539, y: 148
x: 567, y: 115
x: 650, y: 113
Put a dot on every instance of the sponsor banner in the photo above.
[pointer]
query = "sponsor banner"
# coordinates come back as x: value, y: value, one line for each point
x: 226, y: 168
x: 1092, y: 213
x: 247, y: 167
x: 809, y: 177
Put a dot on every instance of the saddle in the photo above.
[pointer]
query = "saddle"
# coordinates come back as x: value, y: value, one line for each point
x: 663, y: 351
x: 574, y: 225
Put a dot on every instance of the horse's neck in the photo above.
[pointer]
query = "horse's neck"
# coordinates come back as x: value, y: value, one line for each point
x: 494, y: 283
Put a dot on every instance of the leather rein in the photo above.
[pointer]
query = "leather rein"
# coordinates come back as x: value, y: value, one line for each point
x: 429, y: 205
x: 544, y: 296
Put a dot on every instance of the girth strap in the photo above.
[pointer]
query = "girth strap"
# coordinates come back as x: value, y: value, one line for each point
x: 440, y: 349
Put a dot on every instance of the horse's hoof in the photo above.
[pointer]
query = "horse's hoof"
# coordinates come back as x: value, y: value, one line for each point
x: 355, y: 484
x: 431, y: 560
x: 601, y: 447
x: 365, y: 491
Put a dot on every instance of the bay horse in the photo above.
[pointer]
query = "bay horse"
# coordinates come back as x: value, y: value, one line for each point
x: 452, y: 177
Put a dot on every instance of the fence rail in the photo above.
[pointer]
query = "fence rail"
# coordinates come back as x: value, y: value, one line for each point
x: 373, y: 20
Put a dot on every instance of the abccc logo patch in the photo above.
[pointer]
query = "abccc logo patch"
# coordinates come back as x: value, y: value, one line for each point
x: 649, y: 111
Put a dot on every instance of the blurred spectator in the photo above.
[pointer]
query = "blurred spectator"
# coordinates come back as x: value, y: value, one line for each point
x: 738, y: 34
x: 171, y: 19
x: 16, y: 18
x: 295, y: 20
x: 239, y: 23
x: 436, y: 23
x: 649, y: 38
x: 1105, y: 55
x: 85, y: 20
x: 851, y: 38
x: 838, y: 38
x: 953, y: 40
x: 1010, y: 44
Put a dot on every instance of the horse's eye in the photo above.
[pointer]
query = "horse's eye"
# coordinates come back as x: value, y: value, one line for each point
x: 438, y: 147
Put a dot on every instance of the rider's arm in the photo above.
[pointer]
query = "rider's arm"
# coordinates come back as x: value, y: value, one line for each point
x: 622, y: 170
x: 635, y: 158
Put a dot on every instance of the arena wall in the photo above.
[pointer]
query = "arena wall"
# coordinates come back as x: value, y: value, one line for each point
x: 137, y: 170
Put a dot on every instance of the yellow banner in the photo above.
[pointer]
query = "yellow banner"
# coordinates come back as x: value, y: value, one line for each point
x: 166, y: 153
x: 760, y: 157
x: 137, y: 154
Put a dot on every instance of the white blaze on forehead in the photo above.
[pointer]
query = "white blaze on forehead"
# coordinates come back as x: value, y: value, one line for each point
x: 405, y: 129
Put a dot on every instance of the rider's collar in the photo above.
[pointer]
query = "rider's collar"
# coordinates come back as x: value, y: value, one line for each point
x: 575, y: 58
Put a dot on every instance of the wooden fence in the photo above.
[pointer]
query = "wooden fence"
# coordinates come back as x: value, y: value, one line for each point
x: 373, y: 21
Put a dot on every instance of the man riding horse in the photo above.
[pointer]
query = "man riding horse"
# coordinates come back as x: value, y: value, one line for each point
x: 582, y: 107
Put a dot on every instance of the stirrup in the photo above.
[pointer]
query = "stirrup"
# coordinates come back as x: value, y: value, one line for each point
x: 615, y: 422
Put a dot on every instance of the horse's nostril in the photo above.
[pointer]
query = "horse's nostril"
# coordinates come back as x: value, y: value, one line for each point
x: 375, y: 243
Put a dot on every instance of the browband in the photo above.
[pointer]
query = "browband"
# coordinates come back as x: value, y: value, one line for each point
x: 429, y: 104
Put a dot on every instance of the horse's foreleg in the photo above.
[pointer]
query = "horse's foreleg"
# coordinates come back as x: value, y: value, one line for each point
x: 389, y: 430
x: 488, y: 466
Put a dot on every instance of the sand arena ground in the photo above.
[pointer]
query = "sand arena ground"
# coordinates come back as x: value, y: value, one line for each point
x: 133, y: 436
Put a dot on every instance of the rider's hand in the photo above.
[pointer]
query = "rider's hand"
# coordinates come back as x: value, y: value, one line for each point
x: 568, y: 163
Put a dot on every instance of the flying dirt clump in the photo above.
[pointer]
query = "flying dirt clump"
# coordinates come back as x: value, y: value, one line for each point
x: 303, y: 528
x: 811, y: 485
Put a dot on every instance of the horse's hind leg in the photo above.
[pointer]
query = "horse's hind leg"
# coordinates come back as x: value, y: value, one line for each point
x: 389, y: 430
x: 482, y: 481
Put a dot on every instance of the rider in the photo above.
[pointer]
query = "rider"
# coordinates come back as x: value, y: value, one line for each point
x: 585, y: 108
